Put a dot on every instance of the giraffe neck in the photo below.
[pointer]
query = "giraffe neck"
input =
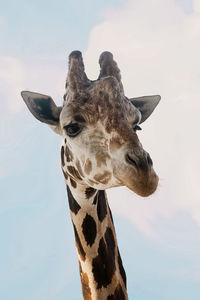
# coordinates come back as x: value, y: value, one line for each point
x: 101, y: 270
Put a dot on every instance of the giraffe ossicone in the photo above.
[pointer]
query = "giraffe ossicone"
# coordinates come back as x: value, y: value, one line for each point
x: 100, y: 150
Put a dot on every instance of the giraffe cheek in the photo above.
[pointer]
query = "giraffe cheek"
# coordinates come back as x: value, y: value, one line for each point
x: 103, y: 178
x: 74, y: 172
x: 88, y: 166
x: 68, y: 154
x: 101, y: 159
x: 79, y: 168
x: 115, y: 144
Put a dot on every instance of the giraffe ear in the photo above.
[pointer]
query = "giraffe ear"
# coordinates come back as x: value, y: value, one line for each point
x: 43, y: 108
x: 146, y: 105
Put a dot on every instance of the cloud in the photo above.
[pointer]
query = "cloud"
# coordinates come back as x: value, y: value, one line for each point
x: 157, y: 45
x: 46, y: 77
x: 196, y: 6
x: 11, y: 82
x: 16, y: 75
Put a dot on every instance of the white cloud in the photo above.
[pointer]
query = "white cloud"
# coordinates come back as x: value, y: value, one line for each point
x: 196, y: 6
x: 16, y: 75
x: 157, y: 46
x: 46, y: 77
x: 11, y: 82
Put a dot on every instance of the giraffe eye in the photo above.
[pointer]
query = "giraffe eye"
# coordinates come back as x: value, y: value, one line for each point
x: 136, y: 127
x: 73, y: 129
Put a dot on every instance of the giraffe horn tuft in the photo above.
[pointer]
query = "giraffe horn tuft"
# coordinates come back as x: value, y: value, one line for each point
x: 108, y: 67
x: 76, y: 78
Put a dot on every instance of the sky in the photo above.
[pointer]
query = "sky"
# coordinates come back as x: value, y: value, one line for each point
x: 156, y: 44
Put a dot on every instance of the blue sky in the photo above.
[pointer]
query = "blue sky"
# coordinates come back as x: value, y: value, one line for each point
x: 49, y: 29
x: 156, y: 45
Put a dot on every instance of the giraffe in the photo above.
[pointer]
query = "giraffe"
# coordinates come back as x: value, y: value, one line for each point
x: 100, y: 149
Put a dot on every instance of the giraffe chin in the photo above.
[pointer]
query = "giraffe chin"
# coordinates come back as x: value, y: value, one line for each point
x: 143, y: 185
x: 145, y: 189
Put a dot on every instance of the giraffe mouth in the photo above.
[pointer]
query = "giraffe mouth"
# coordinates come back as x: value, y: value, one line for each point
x: 142, y: 183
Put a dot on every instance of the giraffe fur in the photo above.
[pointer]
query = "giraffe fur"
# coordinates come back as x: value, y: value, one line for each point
x: 100, y: 149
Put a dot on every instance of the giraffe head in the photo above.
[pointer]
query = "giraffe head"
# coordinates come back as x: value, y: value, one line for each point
x: 99, y: 125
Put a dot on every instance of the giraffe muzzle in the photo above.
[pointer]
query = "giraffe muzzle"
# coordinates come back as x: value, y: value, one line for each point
x: 143, y: 163
x: 139, y: 175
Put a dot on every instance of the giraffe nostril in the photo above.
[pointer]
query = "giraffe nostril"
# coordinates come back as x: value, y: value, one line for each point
x: 130, y: 160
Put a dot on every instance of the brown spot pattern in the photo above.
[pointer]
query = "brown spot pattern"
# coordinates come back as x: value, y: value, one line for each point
x: 101, y: 206
x: 62, y: 156
x: 78, y: 244
x: 74, y: 172
x: 118, y: 294
x: 96, y: 199
x: 103, y: 178
x: 88, y: 166
x: 92, y: 182
x: 103, y: 265
x: 89, y: 192
x: 89, y: 229
x: 78, y: 165
x: 110, y: 241
x: 85, y: 285
x: 73, y: 183
x: 73, y: 204
x: 101, y: 159
x: 83, y: 158
x: 65, y: 174
x: 69, y: 154
x: 115, y: 143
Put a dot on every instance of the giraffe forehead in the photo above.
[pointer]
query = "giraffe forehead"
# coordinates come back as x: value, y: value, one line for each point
x: 99, y: 106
